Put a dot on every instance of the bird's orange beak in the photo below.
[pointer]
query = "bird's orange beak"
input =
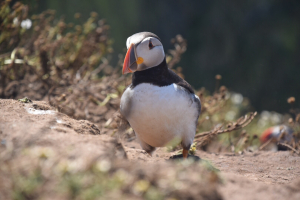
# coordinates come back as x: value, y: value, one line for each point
x: 266, y: 135
x: 130, y: 64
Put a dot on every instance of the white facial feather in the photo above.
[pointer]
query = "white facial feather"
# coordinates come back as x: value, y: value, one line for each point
x: 128, y: 42
x: 152, y: 57
x: 278, y: 130
x: 133, y: 39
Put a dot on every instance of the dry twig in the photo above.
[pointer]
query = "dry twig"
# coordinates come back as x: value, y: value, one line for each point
x: 205, y: 137
x: 290, y: 147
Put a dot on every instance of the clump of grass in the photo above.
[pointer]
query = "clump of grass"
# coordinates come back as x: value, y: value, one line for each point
x: 25, y: 100
x: 32, y: 176
x: 27, y: 186
x: 51, y: 53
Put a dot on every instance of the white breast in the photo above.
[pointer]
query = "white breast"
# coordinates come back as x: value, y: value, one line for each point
x: 160, y: 114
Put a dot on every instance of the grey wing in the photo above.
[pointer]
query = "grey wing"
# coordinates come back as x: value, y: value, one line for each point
x: 193, y: 96
x: 197, y: 101
x: 194, y: 99
x: 187, y: 87
x: 126, y: 103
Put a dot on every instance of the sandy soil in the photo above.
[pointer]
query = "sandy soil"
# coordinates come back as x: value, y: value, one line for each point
x: 252, y: 175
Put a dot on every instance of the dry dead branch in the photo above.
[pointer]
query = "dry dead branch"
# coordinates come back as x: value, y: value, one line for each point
x: 205, y: 137
x: 175, y: 54
x: 290, y: 147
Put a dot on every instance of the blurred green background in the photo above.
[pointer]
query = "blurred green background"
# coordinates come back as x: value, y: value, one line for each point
x: 254, y: 45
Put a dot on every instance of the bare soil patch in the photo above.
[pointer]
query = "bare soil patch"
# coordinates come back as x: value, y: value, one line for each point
x: 45, y: 154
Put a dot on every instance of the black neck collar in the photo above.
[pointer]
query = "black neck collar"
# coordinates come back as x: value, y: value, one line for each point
x: 160, y: 76
x: 154, y: 75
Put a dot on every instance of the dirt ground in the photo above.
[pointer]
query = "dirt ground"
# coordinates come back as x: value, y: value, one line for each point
x: 42, y: 131
x: 253, y: 175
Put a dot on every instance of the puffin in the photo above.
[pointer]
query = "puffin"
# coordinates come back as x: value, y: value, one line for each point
x: 160, y: 106
x: 275, y: 133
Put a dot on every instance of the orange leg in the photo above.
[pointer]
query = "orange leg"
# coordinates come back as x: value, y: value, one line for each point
x: 185, y: 153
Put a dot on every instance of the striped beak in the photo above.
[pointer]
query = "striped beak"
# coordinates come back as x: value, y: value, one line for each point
x: 130, y: 64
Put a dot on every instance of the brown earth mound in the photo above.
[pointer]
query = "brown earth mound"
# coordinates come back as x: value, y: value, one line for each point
x: 47, y: 155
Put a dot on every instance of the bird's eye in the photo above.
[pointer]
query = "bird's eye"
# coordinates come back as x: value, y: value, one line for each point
x: 150, y: 45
